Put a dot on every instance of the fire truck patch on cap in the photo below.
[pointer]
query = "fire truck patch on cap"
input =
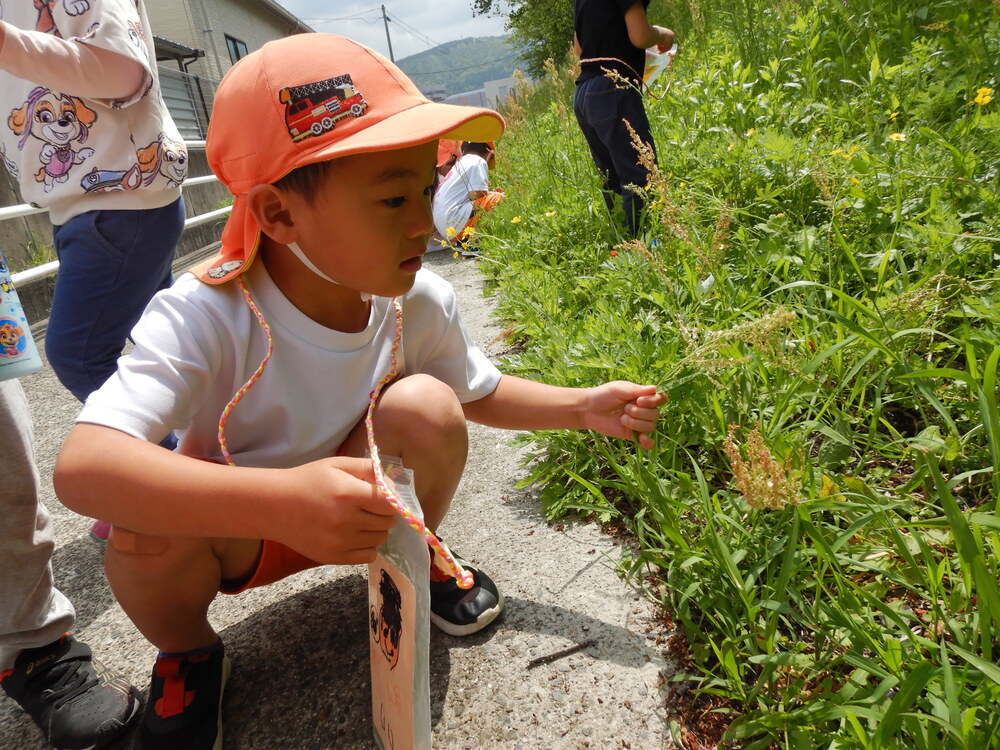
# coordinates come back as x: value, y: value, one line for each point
x: 315, y: 108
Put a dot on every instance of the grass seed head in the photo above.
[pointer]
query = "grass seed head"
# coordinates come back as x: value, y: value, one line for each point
x: 762, y: 480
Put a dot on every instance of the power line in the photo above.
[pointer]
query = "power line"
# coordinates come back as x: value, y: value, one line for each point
x: 356, y: 17
x: 419, y: 34
x: 422, y: 37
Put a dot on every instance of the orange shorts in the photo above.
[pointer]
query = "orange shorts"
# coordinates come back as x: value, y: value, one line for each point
x: 276, y: 561
x: 479, y: 206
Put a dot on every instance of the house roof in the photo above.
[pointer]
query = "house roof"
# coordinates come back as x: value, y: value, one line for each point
x: 167, y: 49
x: 297, y: 25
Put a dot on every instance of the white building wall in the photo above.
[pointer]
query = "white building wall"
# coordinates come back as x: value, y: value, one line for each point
x: 171, y: 20
x: 188, y: 22
x: 496, y: 92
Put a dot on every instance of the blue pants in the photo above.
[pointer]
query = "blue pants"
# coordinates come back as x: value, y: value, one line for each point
x: 601, y: 110
x: 111, y: 263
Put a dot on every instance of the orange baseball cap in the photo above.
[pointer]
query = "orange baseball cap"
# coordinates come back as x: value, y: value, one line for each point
x: 309, y: 98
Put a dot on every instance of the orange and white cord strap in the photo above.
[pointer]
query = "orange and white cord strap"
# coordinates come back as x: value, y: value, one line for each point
x: 253, y: 378
x: 444, y: 559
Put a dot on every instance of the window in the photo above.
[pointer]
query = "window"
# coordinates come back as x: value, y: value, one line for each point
x: 237, y: 49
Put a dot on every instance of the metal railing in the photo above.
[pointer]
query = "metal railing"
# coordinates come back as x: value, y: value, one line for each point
x: 47, y: 269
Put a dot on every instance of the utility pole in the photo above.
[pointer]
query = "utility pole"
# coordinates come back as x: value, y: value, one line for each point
x: 385, y: 20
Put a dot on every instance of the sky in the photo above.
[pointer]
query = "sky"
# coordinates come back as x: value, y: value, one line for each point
x: 414, y: 25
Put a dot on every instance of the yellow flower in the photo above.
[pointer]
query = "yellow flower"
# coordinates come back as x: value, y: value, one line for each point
x: 845, y: 156
x: 893, y: 116
x: 515, y: 220
x: 852, y: 150
x: 983, y: 96
x: 730, y: 147
x: 836, y: 151
x: 444, y: 243
x: 855, y: 181
x: 451, y: 232
x: 550, y: 214
x: 897, y: 137
x: 751, y: 131
x: 683, y: 185
x: 455, y: 254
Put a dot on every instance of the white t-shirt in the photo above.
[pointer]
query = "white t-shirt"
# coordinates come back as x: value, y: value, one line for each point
x: 71, y: 149
x: 196, y: 345
x: 452, y: 205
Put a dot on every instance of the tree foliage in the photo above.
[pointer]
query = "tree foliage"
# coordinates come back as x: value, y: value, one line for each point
x: 543, y: 29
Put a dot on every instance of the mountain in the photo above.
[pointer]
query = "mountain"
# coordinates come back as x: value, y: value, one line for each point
x: 462, y: 65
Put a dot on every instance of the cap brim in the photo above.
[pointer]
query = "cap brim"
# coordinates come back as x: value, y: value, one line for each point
x: 424, y: 122
x: 427, y: 121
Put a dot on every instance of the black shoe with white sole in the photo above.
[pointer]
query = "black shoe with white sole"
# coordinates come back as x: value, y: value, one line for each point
x: 461, y: 612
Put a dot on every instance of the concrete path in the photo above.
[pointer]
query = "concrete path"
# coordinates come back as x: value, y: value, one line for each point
x: 299, y: 647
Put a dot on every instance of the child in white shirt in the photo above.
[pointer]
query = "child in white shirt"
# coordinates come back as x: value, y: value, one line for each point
x: 268, y: 357
x: 465, y: 193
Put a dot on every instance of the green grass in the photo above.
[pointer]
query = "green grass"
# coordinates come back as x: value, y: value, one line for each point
x: 817, y: 293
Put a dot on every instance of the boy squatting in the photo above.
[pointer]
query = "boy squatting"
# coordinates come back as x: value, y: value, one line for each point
x: 331, y: 218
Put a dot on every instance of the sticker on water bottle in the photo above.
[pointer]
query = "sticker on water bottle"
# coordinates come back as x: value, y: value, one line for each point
x: 12, y: 340
x: 18, y: 355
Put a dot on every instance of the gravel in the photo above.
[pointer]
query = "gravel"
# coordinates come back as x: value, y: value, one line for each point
x: 299, y: 647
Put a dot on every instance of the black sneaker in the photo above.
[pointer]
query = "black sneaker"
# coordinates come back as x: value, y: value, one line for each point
x: 184, y: 711
x: 465, y: 611
x: 75, y: 700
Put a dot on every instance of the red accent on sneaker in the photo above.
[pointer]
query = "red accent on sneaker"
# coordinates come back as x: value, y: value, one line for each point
x: 437, y: 574
x: 175, y: 698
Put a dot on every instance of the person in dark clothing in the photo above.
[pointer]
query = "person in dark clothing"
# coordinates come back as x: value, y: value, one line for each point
x: 614, y: 35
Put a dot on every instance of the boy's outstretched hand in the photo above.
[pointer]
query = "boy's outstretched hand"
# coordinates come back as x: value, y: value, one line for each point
x: 619, y: 408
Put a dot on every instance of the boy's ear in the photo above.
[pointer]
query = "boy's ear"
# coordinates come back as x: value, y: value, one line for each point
x: 272, y: 209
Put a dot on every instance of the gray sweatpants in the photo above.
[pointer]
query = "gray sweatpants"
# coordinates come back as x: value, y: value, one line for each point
x: 32, y: 612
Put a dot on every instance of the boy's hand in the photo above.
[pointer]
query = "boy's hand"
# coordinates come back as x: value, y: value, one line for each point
x: 619, y: 408
x: 341, y: 516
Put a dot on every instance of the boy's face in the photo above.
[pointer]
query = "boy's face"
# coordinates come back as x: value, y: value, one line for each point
x: 368, y: 224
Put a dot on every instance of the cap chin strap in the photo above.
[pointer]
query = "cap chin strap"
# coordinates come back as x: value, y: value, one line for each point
x: 297, y: 252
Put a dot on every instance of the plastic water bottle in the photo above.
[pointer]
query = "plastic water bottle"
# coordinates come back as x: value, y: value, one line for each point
x: 18, y: 354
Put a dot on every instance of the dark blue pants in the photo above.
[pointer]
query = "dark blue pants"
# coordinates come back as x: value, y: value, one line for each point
x: 601, y: 110
x: 111, y: 263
